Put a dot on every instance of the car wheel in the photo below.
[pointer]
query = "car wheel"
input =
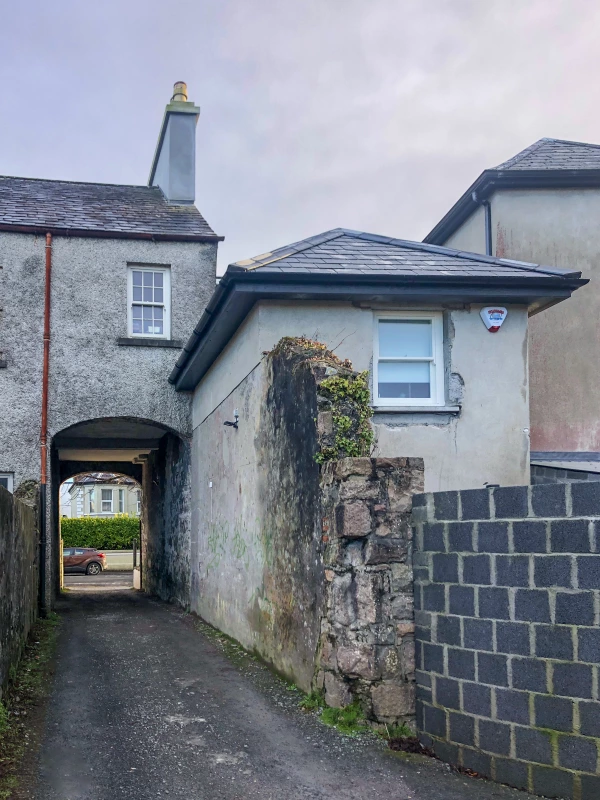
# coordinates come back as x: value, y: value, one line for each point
x: 93, y: 569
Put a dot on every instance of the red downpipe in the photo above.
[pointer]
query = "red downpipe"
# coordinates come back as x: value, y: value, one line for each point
x: 46, y: 367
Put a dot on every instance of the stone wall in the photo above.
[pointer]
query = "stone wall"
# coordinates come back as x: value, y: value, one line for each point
x: 367, y: 649
x: 19, y: 581
x: 507, y: 591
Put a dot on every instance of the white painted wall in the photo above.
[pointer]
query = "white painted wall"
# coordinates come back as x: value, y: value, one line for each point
x: 471, y: 234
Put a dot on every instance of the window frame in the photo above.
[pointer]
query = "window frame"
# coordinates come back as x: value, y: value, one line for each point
x: 103, y: 501
x: 437, y: 369
x: 121, y: 501
x: 166, y: 304
x: 10, y: 477
x: 138, y: 501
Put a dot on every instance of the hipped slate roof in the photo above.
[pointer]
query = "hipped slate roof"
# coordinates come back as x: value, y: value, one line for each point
x: 97, y: 209
x: 548, y: 163
x: 346, y: 265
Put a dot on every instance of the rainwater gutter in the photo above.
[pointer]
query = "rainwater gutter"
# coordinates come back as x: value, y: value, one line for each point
x: 44, y: 430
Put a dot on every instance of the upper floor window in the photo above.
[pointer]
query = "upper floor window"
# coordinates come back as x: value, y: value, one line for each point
x: 107, y: 501
x: 6, y: 480
x: 409, y: 361
x: 149, y: 292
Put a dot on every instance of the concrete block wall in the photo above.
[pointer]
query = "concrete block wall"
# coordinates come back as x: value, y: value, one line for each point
x: 507, y: 599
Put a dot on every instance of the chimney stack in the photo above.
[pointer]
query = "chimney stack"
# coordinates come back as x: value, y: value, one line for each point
x: 174, y: 163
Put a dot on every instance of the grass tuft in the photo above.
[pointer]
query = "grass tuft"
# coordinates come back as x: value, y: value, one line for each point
x: 314, y: 701
x: 349, y: 720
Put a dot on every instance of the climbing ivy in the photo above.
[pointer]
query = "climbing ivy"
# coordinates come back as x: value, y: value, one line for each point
x: 348, y: 396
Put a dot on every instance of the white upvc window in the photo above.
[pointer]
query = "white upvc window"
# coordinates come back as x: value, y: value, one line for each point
x: 149, y: 302
x: 408, y: 363
x: 92, y: 509
x: 121, y: 501
x: 107, y: 501
x: 139, y: 501
x: 6, y: 480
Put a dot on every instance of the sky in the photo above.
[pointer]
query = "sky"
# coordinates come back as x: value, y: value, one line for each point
x: 366, y: 114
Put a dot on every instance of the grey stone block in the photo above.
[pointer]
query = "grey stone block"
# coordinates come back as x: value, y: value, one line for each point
x: 419, y: 500
x: 555, y: 713
x: 446, y: 505
x: 549, y: 500
x: 462, y: 600
x: 552, y: 571
x: 589, y: 646
x: 448, y: 630
x: 551, y: 782
x: 590, y: 787
x: 529, y: 674
x: 589, y: 717
x: 492, y: 669
x: 512, y: 706
x: 460, y: 537
x: 575, y: 752
x: 477, y: 699
x: 476, y: 569
x: 588, y: 572
x: 512, y: 637
x: 462, y: 729
x: 475, y: 503
x: 576, y: 608
x: 433, y: 537
x: 533, y: 745
x: 493, y: 603
x: 585, y: 499
x: 492, y: 537
x: 447, y: 693
x: 478, y: 634
x: 494, y: 737
x: 445, y: 567
x: 512, y: 571
x: 532, y: 605
x: 434, y: 597
x: 434, y: 721
x: 461, y: 664
x: 529, y: 537
x: 569, y: 536
x: 553, y: 641
x: 511, y: 502
x: 513, y: 773
x: 446, y: 752
x: 572, y: 680
x: 477, y: 762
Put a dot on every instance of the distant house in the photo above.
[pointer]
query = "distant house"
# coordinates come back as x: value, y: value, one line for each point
x: 543, y: 205
x: 104, y: 495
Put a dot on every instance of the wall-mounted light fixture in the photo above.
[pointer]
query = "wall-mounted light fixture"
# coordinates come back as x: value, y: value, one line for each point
x: 236, y: 417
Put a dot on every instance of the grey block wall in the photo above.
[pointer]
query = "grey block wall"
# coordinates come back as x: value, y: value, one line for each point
x: 507, y: 598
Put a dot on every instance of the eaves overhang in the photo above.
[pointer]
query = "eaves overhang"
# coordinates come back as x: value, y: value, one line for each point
x: 58, y: 230
x: 492, y: 180
x: 238, y: 292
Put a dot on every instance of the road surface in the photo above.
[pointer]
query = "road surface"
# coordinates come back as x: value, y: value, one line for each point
x: 146, y: 705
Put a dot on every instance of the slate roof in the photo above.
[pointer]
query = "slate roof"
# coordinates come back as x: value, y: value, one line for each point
x: 347, y: 252
x: 555, y: 154
x: 96, y: 208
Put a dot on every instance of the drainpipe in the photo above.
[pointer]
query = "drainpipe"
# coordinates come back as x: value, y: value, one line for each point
x: 44, y: 429
x: 487, y: 222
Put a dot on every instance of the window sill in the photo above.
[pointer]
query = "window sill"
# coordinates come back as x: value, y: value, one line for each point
x: 131, y: 341
x: 416, y: 409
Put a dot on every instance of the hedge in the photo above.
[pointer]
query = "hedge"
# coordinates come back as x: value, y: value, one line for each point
x: 103, y: 533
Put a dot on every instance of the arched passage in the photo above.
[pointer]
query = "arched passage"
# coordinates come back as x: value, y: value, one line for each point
x: 159, y: 459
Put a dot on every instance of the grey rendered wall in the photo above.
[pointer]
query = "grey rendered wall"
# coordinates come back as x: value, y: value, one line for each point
x: 487, y: 374
x: 507, y: 592
x: 19, y: 556
x: 471, y: 234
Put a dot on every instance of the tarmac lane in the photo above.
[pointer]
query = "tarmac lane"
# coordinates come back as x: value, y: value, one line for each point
x: 145, y: 704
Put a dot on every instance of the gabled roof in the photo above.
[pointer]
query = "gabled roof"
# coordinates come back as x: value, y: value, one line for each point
x: 97, y: 209
x: 352, y: 266
x: 546, y: 164
x: 555, y: 154
x: 347, y: 252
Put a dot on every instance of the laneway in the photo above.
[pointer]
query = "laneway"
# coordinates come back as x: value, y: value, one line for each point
x: 145, y: 706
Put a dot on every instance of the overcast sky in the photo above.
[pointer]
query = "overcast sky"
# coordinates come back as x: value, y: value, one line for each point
x: 367, y: 114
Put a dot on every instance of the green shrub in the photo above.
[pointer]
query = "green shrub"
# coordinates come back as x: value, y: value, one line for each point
x: 103, y: 533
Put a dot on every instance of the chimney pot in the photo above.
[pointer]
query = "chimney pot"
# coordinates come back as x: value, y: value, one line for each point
x: 180, y: 92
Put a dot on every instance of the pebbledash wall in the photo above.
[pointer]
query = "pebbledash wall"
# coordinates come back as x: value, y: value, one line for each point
x: 507, y: 592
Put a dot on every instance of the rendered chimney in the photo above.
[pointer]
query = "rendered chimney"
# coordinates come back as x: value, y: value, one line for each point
x: 174, y: 163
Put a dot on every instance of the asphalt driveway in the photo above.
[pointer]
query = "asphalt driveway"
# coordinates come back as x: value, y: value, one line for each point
x: 146, y: 705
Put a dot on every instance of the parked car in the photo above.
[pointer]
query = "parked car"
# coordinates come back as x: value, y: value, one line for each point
x: 83, y: 559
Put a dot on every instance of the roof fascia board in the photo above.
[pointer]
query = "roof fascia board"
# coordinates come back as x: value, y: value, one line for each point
x: 492, y: 180
x: 41, y: 230
x: 232, y: 302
